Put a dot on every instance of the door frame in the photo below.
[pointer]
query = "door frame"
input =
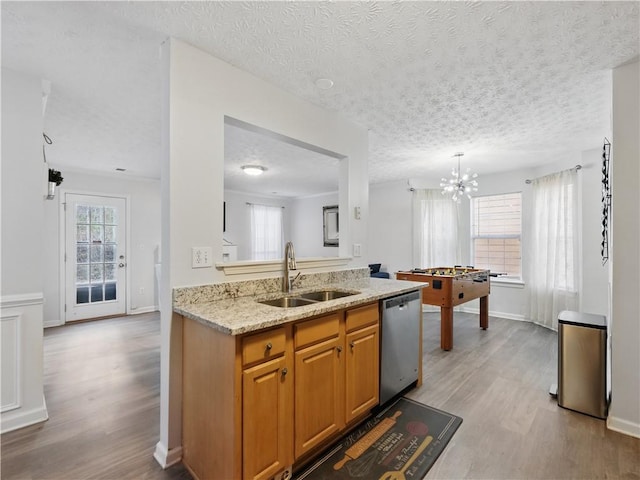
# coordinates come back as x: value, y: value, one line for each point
x: 62, y: 244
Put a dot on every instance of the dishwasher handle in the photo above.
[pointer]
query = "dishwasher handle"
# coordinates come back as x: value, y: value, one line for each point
x: 401, y: 300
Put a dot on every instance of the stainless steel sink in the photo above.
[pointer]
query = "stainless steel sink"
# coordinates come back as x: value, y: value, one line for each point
x: 303, y: 299
x: 287, y: 302
x: 325, y: 295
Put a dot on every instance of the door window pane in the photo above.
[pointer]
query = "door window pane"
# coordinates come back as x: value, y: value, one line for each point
x: 110, y: 216
x: 82, y: 295
x: 110, y: 233
x: 109, y: 253
x: 96, y: 253
x: 97, y: 293
x: 97, y: 215
x: 97, y: 233
x: 82, y: 254
x: 82, y: 233
x: 109, y: 291
x: 109, y: 272
x: 82, y: 274
x: 97, y: 273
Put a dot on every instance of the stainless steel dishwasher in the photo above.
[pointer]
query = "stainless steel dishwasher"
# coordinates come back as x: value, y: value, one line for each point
x: 400, y: 344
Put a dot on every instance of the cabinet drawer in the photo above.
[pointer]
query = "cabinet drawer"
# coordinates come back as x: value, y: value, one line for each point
x: 316, y: 330
x: 263, y: 346
x: 362, y: 316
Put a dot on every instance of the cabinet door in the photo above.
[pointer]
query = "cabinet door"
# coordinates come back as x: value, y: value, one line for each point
x: 266, y: 422
x: 362, y: 371
x: 318, y: 394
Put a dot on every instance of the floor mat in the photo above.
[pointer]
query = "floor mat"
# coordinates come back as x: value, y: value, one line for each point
x: 401, y: 442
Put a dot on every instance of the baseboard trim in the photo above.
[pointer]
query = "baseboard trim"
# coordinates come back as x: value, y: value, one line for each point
x: 15, y: 419
x: 140, y: 310
x: 508, y: 316
x: 166, y: 458
x: 53, y: 323
x: 623, y: 426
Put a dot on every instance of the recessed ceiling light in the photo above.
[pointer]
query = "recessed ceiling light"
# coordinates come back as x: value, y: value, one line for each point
x: 324, y: 83
x: 253, y: 169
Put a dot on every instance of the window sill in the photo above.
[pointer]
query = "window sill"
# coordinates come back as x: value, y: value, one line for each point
x: 507, y: 282
x: 253, y: 266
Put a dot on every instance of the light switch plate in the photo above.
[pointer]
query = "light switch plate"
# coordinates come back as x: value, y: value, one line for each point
x: 356, y: 250
x: 201, y: 257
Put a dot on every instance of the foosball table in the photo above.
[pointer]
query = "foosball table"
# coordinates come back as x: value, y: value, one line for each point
x: 451, y: 286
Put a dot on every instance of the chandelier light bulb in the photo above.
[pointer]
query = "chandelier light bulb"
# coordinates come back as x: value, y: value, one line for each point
x: 459, y: 185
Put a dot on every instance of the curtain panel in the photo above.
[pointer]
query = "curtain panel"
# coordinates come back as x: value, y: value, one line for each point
x: 435, y: 230
x: 553, y: 248
x: 266, y: 232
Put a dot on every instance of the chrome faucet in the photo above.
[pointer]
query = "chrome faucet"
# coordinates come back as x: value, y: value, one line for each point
x: 289, y: 264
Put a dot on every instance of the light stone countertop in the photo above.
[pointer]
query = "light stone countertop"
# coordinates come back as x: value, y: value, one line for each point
x: 244, y: 314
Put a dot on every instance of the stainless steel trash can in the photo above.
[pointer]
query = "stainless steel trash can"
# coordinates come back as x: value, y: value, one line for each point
x: 582, y: 363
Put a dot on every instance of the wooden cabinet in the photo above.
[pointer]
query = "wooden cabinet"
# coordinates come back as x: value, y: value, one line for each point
x: 266, y: 405
x: 254, y: 405
x: 362, y: 361
x: 318, y: 385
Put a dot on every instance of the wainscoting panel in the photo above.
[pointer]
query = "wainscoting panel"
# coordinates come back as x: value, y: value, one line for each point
x: 11, y: 361
x: 22, y: 399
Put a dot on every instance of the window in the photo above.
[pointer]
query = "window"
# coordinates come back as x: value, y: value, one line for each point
x: 496, y: 229
x: 266, y: 232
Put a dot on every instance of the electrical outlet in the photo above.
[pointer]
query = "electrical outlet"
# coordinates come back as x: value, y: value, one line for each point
x: 356, y: 250
x: 201, y: 257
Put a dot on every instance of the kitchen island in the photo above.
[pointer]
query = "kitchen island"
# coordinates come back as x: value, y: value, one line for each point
x: 266, y: 388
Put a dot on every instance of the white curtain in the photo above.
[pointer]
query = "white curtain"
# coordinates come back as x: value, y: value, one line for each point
x: 553, y: 267
x: 266, y: 232
x: 435, y: 227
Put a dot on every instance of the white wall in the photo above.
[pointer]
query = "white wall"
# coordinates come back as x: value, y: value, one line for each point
x: 625, y: 316
x: 390, y: 230
x: 302, y: 222
x: 143, y: 196
x: 200, y: 91
x: 307, y: 227
x: 238, y: 214
x: 23, y: 189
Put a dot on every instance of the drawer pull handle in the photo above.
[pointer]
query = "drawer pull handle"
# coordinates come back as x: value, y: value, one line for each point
x: 269, y: 346
x: 284, y: 371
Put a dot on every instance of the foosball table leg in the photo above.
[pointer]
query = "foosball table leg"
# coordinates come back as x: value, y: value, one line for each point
x: 446, y: 328
x: 484, y: 312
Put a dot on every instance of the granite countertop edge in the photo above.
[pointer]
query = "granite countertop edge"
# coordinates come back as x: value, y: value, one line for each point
x: 236, y: 316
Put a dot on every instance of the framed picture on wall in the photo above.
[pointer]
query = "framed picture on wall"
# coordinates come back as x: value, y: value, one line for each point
x: 331, y: 226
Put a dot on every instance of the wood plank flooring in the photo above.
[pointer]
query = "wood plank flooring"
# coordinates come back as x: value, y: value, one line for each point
x: 498, y: 381
x: 102, y: 389
x: 102, y: 392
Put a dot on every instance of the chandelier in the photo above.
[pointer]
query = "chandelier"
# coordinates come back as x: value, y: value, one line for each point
x: 459, y: 185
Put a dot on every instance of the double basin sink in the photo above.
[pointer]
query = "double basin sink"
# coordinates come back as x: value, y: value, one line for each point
x: 309, y: 298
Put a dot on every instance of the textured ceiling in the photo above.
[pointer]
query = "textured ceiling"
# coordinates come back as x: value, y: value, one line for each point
x: 512, y: 84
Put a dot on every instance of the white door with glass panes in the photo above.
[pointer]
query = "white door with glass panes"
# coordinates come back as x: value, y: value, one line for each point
x: 95, y: 256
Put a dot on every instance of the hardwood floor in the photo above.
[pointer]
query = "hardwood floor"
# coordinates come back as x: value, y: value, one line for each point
x: 498, y: 381
x: 102, y: 389
x: 102, y: 393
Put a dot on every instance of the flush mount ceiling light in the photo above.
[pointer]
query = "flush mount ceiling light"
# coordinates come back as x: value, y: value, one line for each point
x: 458, y: 186
x: 324, y: 83
x: 253, y: 169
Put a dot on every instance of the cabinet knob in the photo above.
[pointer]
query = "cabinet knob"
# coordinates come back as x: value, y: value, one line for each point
x: 339, y: 349
x: 269, y: 346
x: 352, y: 344
x: 284, y: 371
